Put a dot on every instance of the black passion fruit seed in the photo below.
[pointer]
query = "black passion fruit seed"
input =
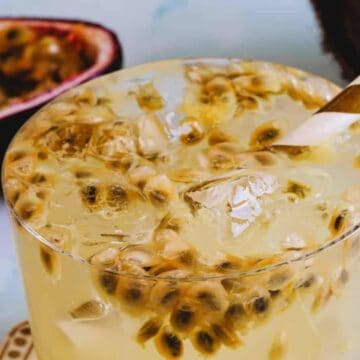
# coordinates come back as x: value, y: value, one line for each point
x: 169, y: 344
x: 307, y: 282
x: 260, y: 305
x: 183, y: 319
x: 108, y: 282
x: 205, y: 343
x: 90, y: 194
x: 337, y: 222
x: 235, y: 313
x: 149, y: 330
x: 133, y: 295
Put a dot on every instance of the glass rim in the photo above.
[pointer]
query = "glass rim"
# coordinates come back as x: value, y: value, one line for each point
x: 350, y: 231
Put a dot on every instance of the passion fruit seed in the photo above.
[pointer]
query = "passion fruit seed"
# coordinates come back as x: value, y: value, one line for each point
x: 149, y: 330
x: 226, y: 336
x: 260, y: 305
x: 164, y: 294
x: 298, y: 189
x: 169, y: 344
x: 187, y: 258
x: 13, y: 188
x: 337, y: 222
x: 82, y: 174
x: 170, y: 297
x: 307, y: 282
x: 217, y: 136
x: 170, y: 222
x: 160, y: 190
x: 90, y: 195
x: 204, y: 342
x: 13, y: 33
x: 38, y: 178
x: 235, y: 314
x: 49, y: 259
x: 148, y: 98
x: 217, y: 87
x: 246, y: 103
x: 89, y: 310
x: 192, y: 133
x: 133, y: 293
x: 108, y: 282
x: 230, y: 264
x: 264, y: 136
x: 116, y: 196
x: 27, y: 209
x: 258, y: 84
x: 210, y: 295
x: 221, y: 158
x: 183, y: 319
x: 292, y: 151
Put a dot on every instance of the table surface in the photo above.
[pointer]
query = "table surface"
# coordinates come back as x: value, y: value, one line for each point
x: 283, y: 31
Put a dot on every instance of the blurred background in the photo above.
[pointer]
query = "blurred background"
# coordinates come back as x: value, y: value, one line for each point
x: 284, y: 31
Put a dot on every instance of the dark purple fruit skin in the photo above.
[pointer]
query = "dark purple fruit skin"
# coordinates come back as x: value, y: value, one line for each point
x: 340, y: 23
x: 9, y: 125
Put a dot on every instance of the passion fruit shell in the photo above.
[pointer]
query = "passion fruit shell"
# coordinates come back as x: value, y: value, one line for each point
x: 98, y: 46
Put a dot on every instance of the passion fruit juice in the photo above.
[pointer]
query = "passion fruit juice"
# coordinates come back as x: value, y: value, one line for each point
x: 154, y: 218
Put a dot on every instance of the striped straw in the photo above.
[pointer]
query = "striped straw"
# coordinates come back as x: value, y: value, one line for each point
x: 336, y: 116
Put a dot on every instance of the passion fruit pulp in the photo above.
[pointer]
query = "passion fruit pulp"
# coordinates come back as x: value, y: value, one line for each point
x: 41, y: 58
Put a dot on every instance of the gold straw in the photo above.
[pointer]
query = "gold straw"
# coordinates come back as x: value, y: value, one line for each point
x: 334, y: 117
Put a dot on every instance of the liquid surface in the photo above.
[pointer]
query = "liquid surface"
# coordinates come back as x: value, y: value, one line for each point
x: 172, y: 165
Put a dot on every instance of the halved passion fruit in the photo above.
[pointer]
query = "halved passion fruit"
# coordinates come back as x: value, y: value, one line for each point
x: 41, y: 58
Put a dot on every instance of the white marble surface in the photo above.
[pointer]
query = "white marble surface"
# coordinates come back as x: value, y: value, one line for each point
x: 283, y: 31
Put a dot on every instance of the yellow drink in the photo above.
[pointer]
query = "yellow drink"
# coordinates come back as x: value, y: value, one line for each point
x: 154, y: 218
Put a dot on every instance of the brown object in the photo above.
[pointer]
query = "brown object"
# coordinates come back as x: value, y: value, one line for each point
x: 345, y: 102
x: 18, y: 344
x: 340, y: 22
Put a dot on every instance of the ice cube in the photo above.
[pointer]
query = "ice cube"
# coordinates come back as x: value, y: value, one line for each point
x: 89, y: 334
x: 236, y: 197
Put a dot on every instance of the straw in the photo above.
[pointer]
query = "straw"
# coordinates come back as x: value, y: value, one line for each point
x: 336, y: 116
